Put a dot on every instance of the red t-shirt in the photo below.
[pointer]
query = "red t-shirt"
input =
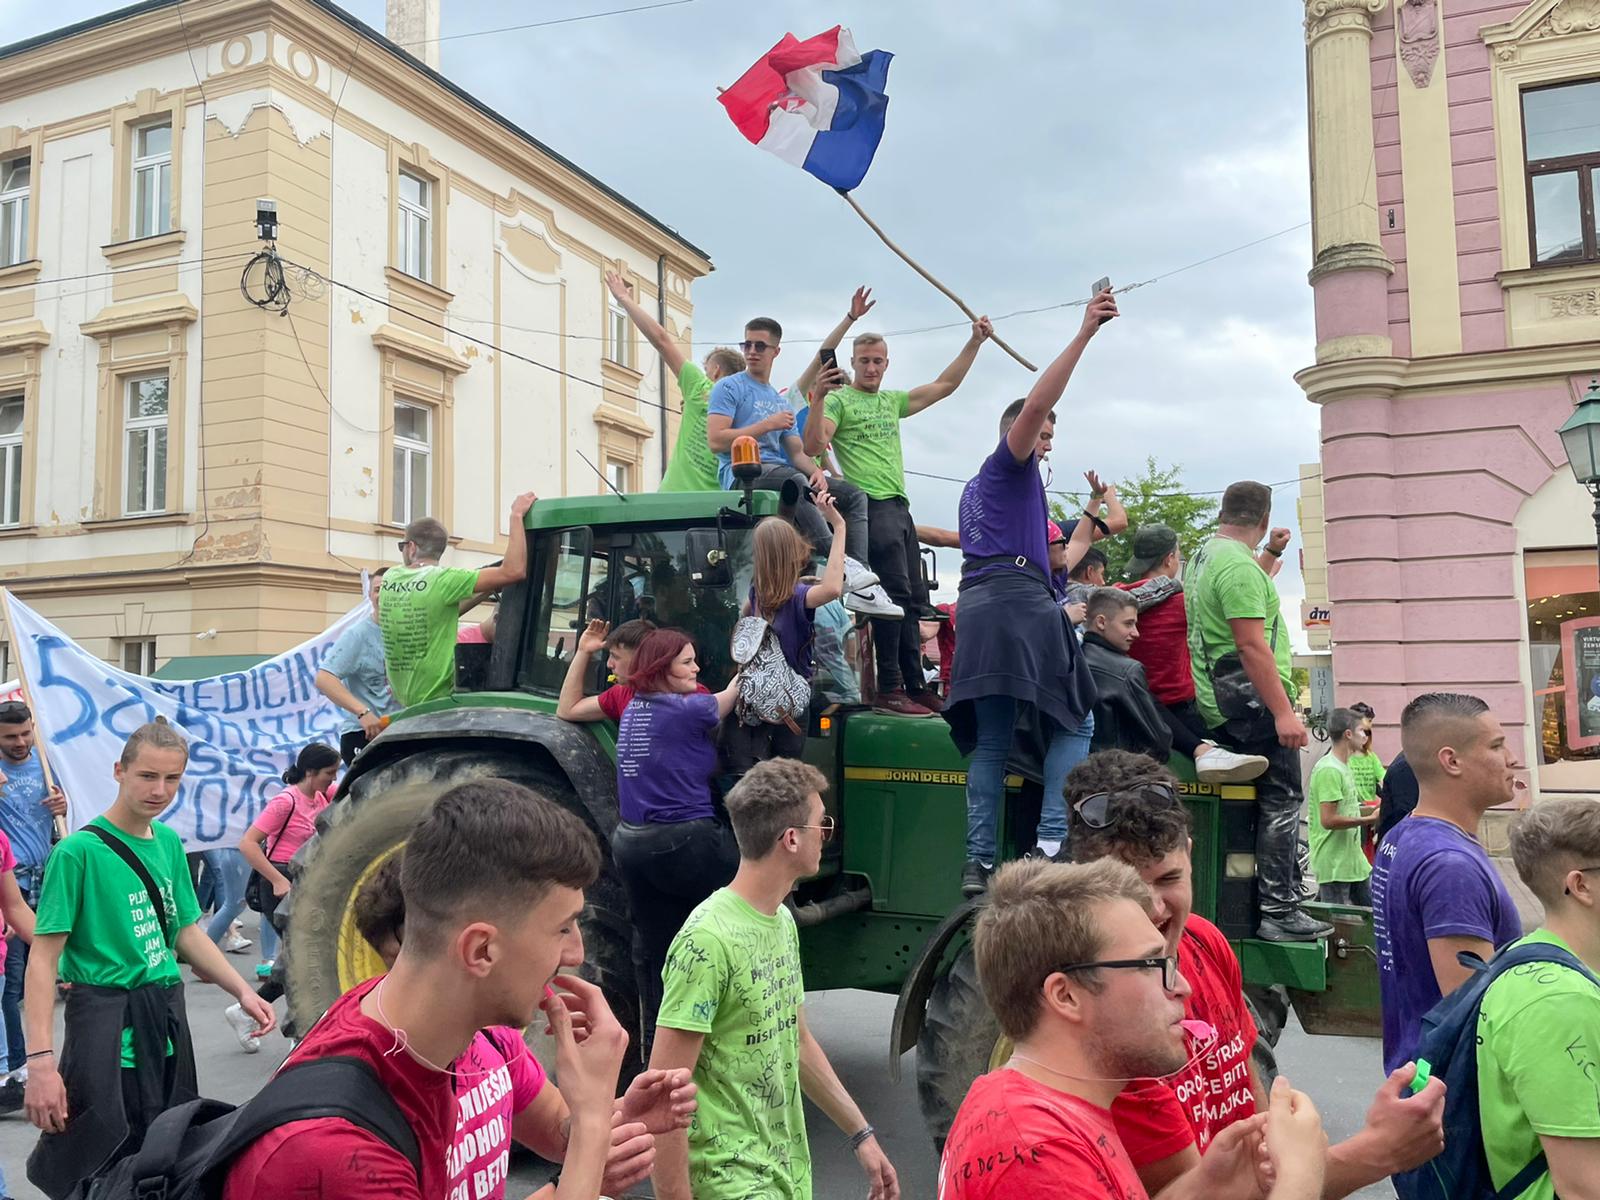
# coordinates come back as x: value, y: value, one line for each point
x: 496, y: 1079
x: 327, y: 1158
x: 1015, y: 1138
x: 1163, y: 648
x: 1156, y: 1118
x: 8, y: 863
x: 615, y: 698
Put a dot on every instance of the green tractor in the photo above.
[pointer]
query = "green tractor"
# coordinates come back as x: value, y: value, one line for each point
x: 885, y: 913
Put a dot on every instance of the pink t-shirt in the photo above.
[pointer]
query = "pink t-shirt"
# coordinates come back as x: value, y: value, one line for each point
x: 494, y: 1080
x: 295, y: 815
x: 8, y: 863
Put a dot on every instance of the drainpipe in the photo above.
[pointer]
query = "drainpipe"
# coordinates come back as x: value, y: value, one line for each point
x: 661, y: 359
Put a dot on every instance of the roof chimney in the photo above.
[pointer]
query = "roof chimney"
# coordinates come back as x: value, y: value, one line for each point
x: 413, y: 25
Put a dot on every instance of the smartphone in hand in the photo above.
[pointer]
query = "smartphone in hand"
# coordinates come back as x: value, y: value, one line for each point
x: 1099, y: 286
x: 829, y: 357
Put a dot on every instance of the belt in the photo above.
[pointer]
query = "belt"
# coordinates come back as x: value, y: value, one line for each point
x: 1021, y: 561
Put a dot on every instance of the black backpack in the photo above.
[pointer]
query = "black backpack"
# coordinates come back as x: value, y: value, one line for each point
x: 187, y: 1150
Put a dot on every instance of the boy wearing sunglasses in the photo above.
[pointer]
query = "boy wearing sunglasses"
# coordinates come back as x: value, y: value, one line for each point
x: 1083, y: 985
x: 1125, y: 807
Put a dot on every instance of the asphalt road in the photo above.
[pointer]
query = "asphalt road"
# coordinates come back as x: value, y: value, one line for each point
x: 1340, y: 1073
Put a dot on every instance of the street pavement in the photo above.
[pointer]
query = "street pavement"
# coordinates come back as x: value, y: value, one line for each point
x: 1340, y: 1073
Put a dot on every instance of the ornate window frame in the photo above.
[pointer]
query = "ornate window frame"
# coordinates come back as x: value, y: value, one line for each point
x: 21, y: 364
x: 414, y: 370
x: 147, y: 108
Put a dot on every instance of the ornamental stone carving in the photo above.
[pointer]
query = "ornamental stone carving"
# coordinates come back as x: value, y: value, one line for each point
x: 1582, y: 303
x: 1570, y: 16
x: 1333, y: 16
x: 1417, y: 39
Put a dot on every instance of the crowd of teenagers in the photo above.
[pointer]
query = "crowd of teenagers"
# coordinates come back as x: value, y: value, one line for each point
x: 1131, y: 1068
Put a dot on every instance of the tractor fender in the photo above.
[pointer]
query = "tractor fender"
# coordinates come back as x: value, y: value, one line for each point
x: 918, y: 986
x: 571, y: 747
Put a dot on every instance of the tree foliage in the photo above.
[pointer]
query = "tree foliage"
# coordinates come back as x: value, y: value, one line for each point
x: 1155, y: 496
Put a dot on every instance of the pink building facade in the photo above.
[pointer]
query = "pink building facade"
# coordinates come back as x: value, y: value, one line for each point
x: 1455, y: 149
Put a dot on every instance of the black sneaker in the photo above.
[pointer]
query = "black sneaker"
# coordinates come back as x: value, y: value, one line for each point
x: 11, y: 1096
x: 1039, y: 852
x: 975, y: 878
x: 1292, y: 926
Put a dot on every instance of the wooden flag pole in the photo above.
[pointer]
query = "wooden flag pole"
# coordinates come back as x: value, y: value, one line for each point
x: 38, y: 732
x: 918, y: 268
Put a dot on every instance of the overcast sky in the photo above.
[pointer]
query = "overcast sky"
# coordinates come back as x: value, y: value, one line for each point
x: 1031, y: 147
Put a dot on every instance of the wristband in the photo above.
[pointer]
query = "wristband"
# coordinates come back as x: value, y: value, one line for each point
x: 856, y: 1140
x: 1274, y: 553
x: 364, y: 712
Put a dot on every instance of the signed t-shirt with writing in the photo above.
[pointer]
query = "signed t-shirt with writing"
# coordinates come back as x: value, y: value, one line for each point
x: 733, y: 974
x: 495, y: 1079
x: 866, y: 438
x: 1538, y: 1064
x: 1003, y: 514
x: 1156, y: 1118
x: 666, y: 755
x: 693, y: 467
x: 325, y: 1158
x: 417, y: 610
x: 1016, y: 1139
x: 614, y: 700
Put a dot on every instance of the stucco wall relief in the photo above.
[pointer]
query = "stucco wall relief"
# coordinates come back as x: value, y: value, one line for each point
x: 1417, y: 39
x: 1568, y: 17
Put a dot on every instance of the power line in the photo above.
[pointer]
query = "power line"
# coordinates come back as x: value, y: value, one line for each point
x: 1144, y: 495
x: 615, y: 12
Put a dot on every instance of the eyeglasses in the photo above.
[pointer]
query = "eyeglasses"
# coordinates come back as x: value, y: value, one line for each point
x: 1168, y: 967
x: 1059, y: 542
x: 759, y: 347
x: 827, y: 826
x: 14, y: 712
x: 1095, y: 810
x: 401, y: 546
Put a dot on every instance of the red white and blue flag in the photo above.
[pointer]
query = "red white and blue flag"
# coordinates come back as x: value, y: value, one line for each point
x: 818, y: 104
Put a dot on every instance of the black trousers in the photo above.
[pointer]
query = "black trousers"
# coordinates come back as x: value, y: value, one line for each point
x: 1278, y: 804
x: 895, y: 555
x: 748, y: 745
x: 666, y: 870
x: 272, y: 989
x: 1184, y: 722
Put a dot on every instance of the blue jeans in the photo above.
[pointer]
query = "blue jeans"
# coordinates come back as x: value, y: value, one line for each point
x: 28, y: 879
x: 986, y: 775
x: 230, y: 873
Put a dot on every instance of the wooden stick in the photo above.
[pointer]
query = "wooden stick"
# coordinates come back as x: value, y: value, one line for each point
x: 38, y: 732
x: 918, y: 268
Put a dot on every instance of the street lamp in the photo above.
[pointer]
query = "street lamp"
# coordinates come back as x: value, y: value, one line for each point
x: 1580, y: 437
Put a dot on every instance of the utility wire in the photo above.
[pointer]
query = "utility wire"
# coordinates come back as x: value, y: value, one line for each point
x: 614, y: 12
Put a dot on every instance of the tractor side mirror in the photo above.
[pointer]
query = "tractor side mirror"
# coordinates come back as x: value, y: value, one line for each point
x: 708, y: 559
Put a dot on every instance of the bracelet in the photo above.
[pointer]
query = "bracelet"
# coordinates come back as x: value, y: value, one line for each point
x: 1274, y: 553
x: 856, y: 1139
x: 364, y: 712
x: 38, y: 1054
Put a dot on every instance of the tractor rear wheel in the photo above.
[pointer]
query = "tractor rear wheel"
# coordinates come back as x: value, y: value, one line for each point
x: 959, y: 1040
x: 323, y: 953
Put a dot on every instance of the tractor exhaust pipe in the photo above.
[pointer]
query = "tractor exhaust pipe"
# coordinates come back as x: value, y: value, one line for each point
x: 834, y: 906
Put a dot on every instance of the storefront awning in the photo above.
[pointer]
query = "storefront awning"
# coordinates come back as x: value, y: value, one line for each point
x: 203, y: 666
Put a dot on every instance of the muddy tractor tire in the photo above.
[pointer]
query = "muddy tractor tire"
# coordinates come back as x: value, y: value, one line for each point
x: 957, y: 1044
x: 323, y: 955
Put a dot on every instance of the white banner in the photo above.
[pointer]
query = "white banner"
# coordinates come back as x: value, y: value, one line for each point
x: 244, y: 728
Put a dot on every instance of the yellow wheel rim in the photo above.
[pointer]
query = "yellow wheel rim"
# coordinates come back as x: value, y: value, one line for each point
x: 357, y: 960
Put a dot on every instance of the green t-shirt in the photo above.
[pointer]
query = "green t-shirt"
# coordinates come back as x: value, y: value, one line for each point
x: 1367, y: 768
x: 693, y: 468
x: 1538, y: 1050
x: 1336, y: 855
x: 417, y: 610
x: 1225, y: 583
x: 866, y: 439
x: 733, y: 974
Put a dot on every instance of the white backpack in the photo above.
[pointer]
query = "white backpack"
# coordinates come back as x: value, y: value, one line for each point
x: 771, y: 692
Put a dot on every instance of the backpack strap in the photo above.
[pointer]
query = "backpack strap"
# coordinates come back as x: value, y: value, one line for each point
x: 125, y: 852
x: 1525, y: 1178
x: 337, y: 1086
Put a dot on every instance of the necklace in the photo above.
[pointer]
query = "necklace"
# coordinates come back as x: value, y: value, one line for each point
x: 402, y: 1040
x: 1209, y: 1036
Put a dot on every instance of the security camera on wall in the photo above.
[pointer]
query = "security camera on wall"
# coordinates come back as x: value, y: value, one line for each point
x: 267, y: 220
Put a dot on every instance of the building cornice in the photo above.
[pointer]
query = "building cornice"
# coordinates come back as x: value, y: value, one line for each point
x: 1383, y: 377
x: 143, y: 32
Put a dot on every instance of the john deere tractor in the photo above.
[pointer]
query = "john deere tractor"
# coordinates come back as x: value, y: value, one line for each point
x: 885, y: 912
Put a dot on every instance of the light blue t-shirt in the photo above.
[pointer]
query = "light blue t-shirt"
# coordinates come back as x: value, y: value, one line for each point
x: 357, y: 660
x: 23, y: 816
x: 746, y: 402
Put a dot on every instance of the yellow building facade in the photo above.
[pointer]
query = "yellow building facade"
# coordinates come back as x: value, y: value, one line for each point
x: 187, y: 474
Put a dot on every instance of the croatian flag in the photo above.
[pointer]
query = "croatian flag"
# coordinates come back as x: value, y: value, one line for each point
x: 818, y: 104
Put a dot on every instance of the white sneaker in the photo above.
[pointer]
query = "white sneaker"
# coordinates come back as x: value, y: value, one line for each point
x: 872, y: 602
x: 236, y: 942
x: 858, y: 577
x: 1217, y: 765
x: 244, y: 1027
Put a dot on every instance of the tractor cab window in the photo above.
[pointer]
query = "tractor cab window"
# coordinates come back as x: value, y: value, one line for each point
x: 650, y: 580
x: 568, y: 585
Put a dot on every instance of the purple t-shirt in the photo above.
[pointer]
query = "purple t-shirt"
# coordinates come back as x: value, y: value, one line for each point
x: 795, y: 625
x: 666, y: 755
x: 1003, y: 512
x: 1429, y: 880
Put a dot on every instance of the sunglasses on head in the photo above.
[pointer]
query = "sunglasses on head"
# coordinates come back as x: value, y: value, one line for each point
x: 1095, y: 810
x: 14, y: 712
x: 758, y: 346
